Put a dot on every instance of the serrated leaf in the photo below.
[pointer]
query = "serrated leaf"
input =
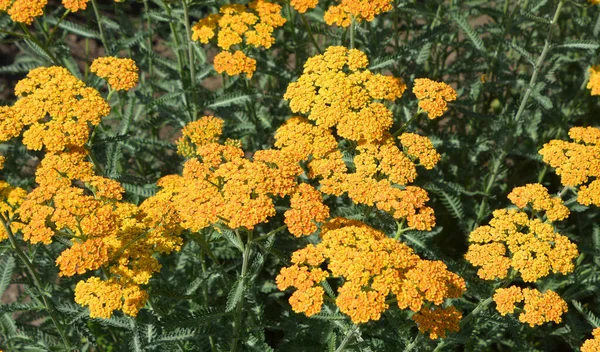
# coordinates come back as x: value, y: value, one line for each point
x: 463, y: 23
x: 7, y: 265
x: 75, y: 28
x: 235, y: 295
x: 579, y: 44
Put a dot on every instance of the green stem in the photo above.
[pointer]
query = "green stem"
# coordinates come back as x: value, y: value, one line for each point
x: 42, y: 46
x: 347, y: 338
x: 352, y: 30
x: 240, y: 306
x: 191, y: 59
x: 396, y: 33
x: 310, y: 33
x: 36, y: 281
x: 271, y: 233
x: 403, y: 128
x: 539, y: 62
x: 413, y: 344
x: 99, y: 20
x: 149, y: 25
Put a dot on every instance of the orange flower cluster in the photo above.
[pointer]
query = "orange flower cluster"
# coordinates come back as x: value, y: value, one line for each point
x: 594, y: 82
x: 361, y: 10
x: 306, y: 206
x: 56, y: 107
x: 336, y: 90
x: 540, y: 200
x: 433, y: 96
x: 538, y: 308
x: 577, y: 162
x: 438, y: 321
x: 235, y: 24
x: 75, y: 5
x: 592, y: 345
x: 303, y: 5
x: 121, y: 74
x: 220, y: 184
x: 529, y: 246
x: 106, y: 233
x: 373, y: 267
x: 23, y: 11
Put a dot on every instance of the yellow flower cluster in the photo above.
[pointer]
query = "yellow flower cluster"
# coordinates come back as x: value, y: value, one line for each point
x: 75, y: 5
x: 235, y: 24
x: 72, y: 201
x: 540, y: 200
x: 578, y: 162
x: 594, y: 82
x: 121, y: 74
x: 433, y: 96
x: 56, y: 107
x: 538, y: 308
x: 10, y: 199
x: 120, y: 237
x: 360, y: 10
x: 373, y: 267
x: 303, y: 5
x: 592, y: 345
x: 529, y: 246
x: 336, y: 90
x: 23, y: 11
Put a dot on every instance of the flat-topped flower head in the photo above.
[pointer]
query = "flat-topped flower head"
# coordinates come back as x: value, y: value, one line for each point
x: 433, y: 96
x: 537, y: 196
x: 361, y: 10
x: 578, y: 162
x: 23, y: 11
x: 121, y: 73
x: 538, y: 308
x: 54, y: 108
x: 336, y: 90
x: 373, y: 267
x: 592, y: 345
x: 594, y: 82
x: 528, y: 246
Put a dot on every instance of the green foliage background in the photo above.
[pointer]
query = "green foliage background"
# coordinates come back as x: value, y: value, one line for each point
x: 520, y: 68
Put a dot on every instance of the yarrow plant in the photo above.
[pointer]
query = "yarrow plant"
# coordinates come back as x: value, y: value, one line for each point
x: 260, y: 175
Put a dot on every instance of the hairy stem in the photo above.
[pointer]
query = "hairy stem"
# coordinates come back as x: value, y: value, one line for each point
x: 539, y: 62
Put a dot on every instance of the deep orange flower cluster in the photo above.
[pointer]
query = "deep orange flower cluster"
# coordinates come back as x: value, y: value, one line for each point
x: 337, y: 91
x: 23, y: 11
x: 438, y: 321
x: 540, y: 200
x: 528, y: 246
x: 373, y: 268
x: 121, y: 73
x: 360, y: 10
x: 237, y: 24
x: 433, y: 96
x: 538, y: 307
x: 578, y: 162
x: 594, y: 82
x: 219, y: 184
x: 592, y: 345
x: 56, y: 109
